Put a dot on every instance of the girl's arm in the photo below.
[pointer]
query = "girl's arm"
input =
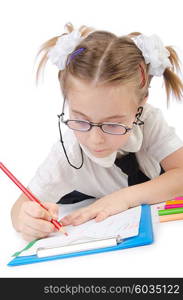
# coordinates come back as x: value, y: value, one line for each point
x: 159, y: 189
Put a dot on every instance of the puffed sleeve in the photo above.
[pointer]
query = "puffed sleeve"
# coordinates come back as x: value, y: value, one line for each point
x: 160, y: 139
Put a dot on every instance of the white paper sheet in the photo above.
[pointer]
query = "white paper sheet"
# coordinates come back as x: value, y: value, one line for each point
x: 125, y: 224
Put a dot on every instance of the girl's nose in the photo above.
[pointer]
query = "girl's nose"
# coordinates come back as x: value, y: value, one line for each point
x: 96, y: 135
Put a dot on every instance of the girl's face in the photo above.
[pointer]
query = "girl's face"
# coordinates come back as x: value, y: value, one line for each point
x: 102, y: 104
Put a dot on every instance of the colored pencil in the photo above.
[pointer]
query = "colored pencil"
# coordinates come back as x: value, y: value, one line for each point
x: 178, y: 198
x: 174, y: 202
x: 174, y: 217
x: 170, y: 211
x: 173, y: 206
x: 57, y: 224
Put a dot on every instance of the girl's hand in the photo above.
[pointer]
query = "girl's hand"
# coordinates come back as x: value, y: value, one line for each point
x: 99, y: 210
x: 34, y: 221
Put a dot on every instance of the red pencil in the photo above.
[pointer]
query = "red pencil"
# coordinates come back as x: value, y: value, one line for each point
x: 58, y: 225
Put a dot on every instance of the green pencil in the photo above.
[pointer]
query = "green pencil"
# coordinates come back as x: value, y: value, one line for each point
x: 170, y: 211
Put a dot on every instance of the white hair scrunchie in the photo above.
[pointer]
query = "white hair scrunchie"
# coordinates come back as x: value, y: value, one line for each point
x: 154, y: 53
x: 63, y: 47
x: 152, y: 49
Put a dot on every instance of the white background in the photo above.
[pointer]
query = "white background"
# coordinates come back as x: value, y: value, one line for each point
x: 28, y: 121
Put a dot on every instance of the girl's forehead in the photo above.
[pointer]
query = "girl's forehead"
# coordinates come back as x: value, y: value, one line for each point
x: 78, y: 86
x: 79, y: 89
x: 98, y: 109
x: 107, y: 100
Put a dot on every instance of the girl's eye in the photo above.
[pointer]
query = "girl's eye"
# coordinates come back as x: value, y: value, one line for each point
x: 112, y: 125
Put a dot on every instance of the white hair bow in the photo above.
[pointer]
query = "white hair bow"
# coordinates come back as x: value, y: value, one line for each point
x: 64, y: 46
x: 154, y: 53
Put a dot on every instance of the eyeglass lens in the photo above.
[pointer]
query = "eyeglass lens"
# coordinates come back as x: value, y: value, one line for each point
x: 85, y: 126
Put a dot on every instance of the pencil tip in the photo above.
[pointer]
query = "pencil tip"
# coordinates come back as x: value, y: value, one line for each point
x: 63, y: 231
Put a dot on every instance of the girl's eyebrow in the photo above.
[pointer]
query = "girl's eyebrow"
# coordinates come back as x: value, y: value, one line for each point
x: 111, y: 117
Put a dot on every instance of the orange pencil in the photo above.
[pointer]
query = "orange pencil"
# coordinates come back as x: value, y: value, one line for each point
x: 172, y: 202
x: 173, y: 217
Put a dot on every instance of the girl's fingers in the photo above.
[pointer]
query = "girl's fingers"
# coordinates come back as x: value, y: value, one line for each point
x: 40, y: 225
x: 37, y: 228
x: 82, y: 215
x: 53, y: 209
x: 67, y: 220
x: 34, y: 233
x: 79, y: 217
x: 102, y: 215
x: 35, y: 220
x: 27, y: 237
x: 82, y: 218
x: 34, y: 210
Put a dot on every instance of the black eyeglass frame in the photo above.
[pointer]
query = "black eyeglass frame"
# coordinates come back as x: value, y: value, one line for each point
x: 91, y: 124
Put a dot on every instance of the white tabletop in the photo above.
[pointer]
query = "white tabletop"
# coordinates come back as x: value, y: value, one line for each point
x: 155, y: 260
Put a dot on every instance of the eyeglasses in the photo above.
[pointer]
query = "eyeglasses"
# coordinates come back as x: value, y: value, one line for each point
x: 106, y: 127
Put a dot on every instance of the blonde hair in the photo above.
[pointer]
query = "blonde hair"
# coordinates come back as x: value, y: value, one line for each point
x: 108, y: 59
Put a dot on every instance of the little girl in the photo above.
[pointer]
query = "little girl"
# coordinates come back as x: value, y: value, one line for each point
x: 116, y: 148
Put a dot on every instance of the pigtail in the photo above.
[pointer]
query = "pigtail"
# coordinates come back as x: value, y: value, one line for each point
x: 85, y: 30
x: 173, y: 84
x: 44, y: 49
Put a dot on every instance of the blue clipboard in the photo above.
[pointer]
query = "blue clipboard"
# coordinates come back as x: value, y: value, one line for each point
x: 144, y: 237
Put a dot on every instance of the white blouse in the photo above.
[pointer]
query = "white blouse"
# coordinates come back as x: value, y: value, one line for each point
x: 151, y: 142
